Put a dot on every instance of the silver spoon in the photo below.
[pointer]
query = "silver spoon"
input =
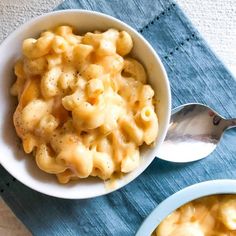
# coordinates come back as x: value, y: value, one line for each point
x: 194, y: 132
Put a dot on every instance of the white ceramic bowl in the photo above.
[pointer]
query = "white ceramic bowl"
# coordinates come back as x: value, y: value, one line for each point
x: 182, y: 197
x: 22, y: 166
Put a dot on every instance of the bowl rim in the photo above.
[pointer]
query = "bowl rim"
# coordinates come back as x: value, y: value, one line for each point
x: 178, y: 199
x: 165, y: 80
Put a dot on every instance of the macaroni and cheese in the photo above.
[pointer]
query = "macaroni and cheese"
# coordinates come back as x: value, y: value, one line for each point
x: 208, y: 216
x: 85, y: 107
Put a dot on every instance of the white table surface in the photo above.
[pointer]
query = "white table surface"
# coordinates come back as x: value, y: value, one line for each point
x: 215, y: 20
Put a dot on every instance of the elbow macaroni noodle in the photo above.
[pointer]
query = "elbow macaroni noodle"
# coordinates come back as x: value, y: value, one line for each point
x: 208, y: 216
x: 84, y: 106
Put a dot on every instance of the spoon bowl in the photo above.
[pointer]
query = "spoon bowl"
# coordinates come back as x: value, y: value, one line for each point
x: 194, y: 132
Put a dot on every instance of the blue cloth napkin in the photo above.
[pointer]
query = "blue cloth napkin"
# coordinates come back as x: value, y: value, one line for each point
x: 196, y: 75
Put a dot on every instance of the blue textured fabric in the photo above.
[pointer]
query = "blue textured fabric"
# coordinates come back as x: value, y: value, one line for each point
x: 196, y: 75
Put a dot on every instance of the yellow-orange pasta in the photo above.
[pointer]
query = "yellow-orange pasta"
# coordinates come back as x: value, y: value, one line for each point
x: 84, y: 105
x: 208, y: 216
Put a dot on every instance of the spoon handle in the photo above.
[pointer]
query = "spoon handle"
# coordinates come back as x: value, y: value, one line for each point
x: 231, y: 123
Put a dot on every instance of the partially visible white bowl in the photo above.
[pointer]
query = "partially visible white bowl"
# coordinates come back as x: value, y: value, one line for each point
x: 182, y: 197
x: 23, y: 166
